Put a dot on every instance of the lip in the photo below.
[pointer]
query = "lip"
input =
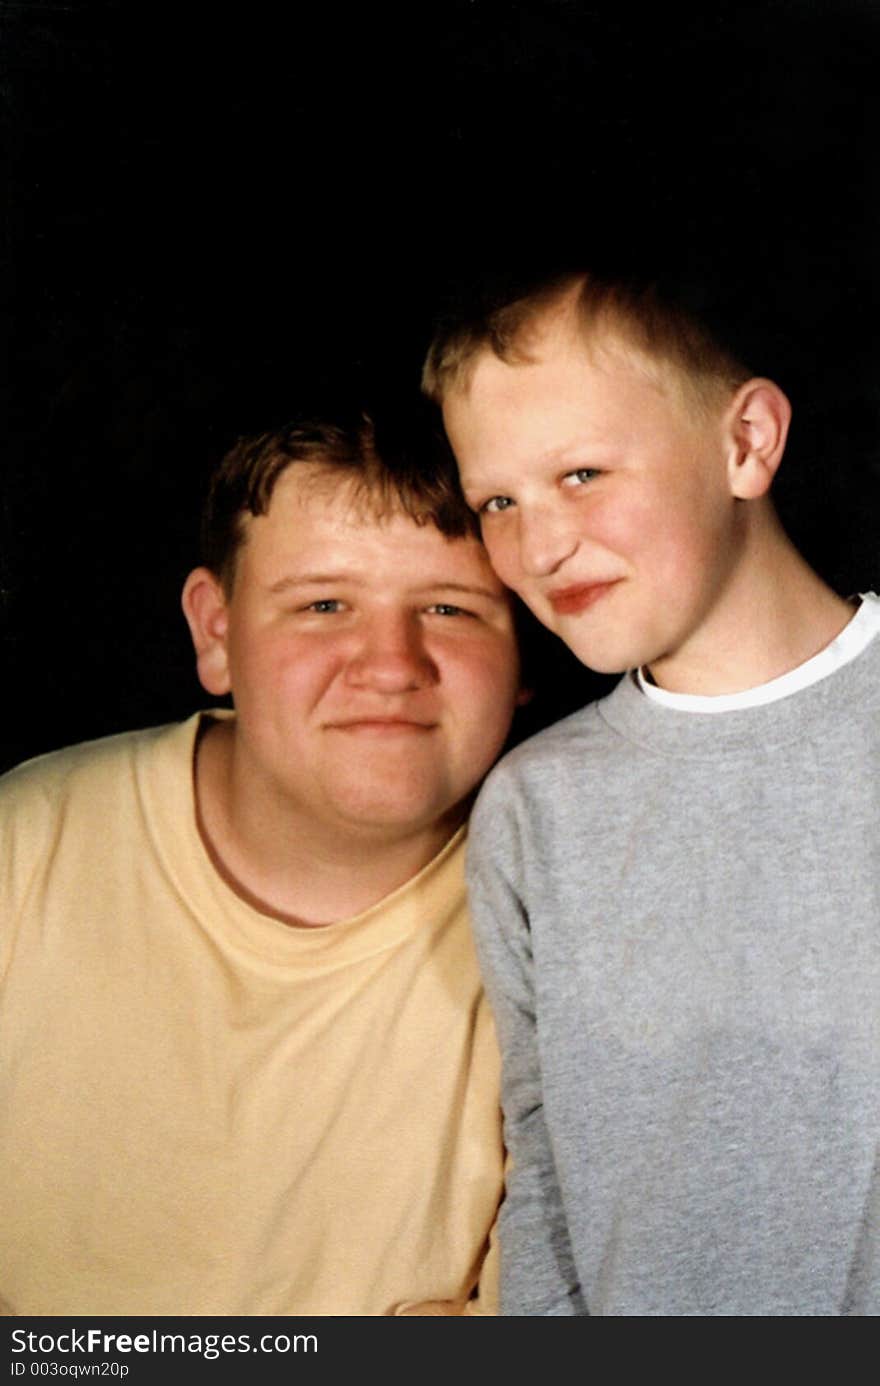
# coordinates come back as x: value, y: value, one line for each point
x: 568, y: 600
x: 382, y: 726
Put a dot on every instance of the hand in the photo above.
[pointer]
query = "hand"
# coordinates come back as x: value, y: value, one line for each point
x: 433, y: 1308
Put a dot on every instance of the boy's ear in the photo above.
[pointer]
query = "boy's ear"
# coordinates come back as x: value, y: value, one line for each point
x: 756, y: 427
x: 204, y: 606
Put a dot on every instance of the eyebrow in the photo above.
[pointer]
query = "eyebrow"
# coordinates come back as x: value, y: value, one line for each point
x: 328, y: 579
x: 466, y: 480
x: 563, y: 455
x: 470, y: 589
x: 309, y: 580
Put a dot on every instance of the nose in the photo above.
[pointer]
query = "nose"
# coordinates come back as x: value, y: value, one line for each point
x: 391, y: 656
x: 546, y: 540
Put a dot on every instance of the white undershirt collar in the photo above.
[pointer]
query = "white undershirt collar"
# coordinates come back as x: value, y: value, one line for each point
x: 856, y: 635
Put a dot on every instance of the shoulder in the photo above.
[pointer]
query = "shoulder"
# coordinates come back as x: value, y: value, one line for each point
x: 528, y: 799
x: 86, y: 783
x: 77, y: 821
x: 50, y: 778
x: 554, y: 756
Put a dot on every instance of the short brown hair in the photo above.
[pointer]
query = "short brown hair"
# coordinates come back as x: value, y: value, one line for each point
x: 405, y: 470
x: 640, y: 313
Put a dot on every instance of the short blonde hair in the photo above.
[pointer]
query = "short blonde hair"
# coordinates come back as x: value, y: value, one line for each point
x: 637, y: 315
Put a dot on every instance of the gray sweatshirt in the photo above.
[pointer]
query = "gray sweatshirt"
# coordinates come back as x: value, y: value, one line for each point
x: 678, y: 918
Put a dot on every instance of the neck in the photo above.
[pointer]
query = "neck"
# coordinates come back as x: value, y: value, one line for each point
x: 288, y: 866
x: 772, y: 614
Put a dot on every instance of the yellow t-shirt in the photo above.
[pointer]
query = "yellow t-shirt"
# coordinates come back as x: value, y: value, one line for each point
x: 207, y: 1111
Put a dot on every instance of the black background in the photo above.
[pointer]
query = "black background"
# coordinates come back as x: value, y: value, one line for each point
x: 215, y: 221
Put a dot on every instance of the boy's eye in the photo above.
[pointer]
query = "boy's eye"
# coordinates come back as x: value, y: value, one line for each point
x: 325, y: 606
x: 495, y: 504
x: 580, y: 477
x: 446, y: 609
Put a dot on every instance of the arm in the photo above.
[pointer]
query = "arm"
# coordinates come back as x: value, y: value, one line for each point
x: 538, y: 1276
x: 483, y: 1302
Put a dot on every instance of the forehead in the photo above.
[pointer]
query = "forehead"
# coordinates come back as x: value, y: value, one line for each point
x: 321, y: 522
x: 587, y: 388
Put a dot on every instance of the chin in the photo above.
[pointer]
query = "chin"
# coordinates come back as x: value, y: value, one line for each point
x: 384, y: 816
x: 604, y: 661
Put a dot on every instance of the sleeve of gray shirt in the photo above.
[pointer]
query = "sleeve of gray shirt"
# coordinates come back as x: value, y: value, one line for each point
x: 537, y: 1270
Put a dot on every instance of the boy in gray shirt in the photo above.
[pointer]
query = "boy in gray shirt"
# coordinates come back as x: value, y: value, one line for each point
x: 675, y: 890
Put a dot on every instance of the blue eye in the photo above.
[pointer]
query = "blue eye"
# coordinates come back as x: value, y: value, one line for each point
x: 495, y: 505
x: 581, y: 476
x: 327, y: 606
x: 446, y: 609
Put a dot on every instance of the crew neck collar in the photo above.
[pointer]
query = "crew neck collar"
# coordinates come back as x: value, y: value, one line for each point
x: 816, y: 711
x: 856, y: 635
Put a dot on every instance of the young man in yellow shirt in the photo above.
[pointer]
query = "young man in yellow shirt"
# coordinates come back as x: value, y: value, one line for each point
x: 248, y: 1065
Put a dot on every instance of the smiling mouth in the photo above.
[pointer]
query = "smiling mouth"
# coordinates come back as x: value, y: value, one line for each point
x: 568, y: 600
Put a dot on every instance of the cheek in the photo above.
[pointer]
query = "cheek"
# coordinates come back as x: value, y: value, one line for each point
x: 645, y: 531
x: 484, y: 696
x: 276, y: 675
x: 502, y: 546
x: 303, y: 672
x: 621, y: 525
